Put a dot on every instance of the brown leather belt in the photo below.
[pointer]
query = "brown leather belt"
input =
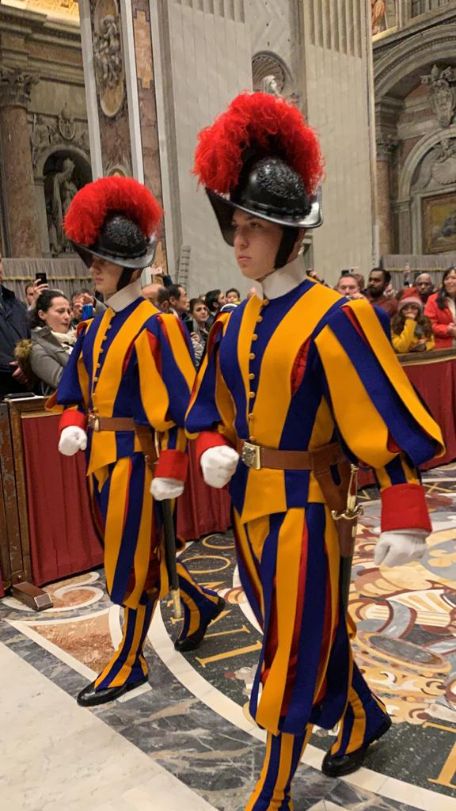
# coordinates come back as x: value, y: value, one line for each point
x: 319, y: 461
x: 111, y: 423
x: 144, y: 433
x: 258, y: 457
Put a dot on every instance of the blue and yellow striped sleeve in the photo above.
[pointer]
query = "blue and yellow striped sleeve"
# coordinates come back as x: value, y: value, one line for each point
x: 72, y: 395
x: 380, y: 418
x: 210, y: 416
x: 166, y: 375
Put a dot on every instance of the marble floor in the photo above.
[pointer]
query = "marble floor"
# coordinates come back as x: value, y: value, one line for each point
x: 185, y: 740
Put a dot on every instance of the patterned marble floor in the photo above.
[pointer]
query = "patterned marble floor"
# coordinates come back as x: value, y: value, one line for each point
x: 185, y: 740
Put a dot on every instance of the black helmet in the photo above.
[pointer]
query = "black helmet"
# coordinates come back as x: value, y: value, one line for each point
x: 261, y: 157
x: 271, y: 190
x: 114, y: 218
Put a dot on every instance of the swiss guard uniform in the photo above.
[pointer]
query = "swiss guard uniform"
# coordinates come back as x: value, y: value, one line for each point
x: 125, y: 391
x: 294, y: 387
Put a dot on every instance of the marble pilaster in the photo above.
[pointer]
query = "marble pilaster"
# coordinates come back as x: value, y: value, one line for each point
x: 17, y: 170
x: 385, y: 148
x: 119, y: 71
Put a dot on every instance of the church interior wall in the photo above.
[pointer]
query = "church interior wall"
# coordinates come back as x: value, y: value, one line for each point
x: 416, y: 106
x: 211, y: 63
x: 336, y: 66
x: 56, y: 113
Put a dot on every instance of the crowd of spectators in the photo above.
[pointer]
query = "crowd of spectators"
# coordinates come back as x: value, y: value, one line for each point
x: 421, y: 318
x: 38, y: 333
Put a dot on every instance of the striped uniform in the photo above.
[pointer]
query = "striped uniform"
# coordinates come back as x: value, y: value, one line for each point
x: 295, y: 373
x: 132, y: 363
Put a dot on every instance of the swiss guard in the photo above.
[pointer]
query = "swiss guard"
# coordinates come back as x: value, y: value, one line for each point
x: 296, y: 387
x: 125, y: 391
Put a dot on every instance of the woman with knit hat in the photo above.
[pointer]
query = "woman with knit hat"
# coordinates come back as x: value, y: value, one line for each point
x: 294, y: 386
x: 411, y: 331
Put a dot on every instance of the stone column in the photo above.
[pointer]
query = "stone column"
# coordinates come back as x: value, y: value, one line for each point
x: 119, y: 77
x: 17, y: 170
x: 385, y: 147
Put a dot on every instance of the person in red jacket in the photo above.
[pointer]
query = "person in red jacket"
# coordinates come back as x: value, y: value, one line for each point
x: 441, y: 310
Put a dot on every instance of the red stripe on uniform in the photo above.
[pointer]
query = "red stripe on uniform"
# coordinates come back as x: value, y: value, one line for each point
x: 297, y: 630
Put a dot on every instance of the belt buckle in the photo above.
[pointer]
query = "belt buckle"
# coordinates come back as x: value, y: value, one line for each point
x: 93, y: 421
x: 251, y: 455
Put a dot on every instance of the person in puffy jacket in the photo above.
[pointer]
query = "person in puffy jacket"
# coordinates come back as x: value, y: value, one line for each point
x: 411, y: 331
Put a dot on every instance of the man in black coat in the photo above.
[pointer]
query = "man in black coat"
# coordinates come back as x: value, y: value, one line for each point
x: 13, y: 327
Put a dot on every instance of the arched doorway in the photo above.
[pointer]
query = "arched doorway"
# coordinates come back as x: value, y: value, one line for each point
x: 415, y: 77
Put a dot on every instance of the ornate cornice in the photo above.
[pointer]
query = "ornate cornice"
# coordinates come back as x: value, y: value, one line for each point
x: 16, y: 87
x: 412, y: 54
x: 31, y: 24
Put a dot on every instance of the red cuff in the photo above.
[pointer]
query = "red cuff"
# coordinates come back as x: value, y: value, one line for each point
x: 404, y: 507
x: 73, y: 417
x: 172, y: 464
x: 206, y: 440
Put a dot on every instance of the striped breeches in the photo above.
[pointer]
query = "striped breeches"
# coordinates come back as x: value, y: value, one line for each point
x: 363, y: 716
x: 283, y: 753
x: 289, y: 567
x: 130, y: 528
x: 197, y: 602
x: 124, y: 514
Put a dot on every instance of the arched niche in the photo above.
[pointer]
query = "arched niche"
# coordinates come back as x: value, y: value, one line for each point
x: 399, y: 65
x: 61, y: 170
x: 419, y: 181
x: 270, y: 74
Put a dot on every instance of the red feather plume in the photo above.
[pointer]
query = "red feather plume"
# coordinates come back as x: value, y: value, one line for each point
x: 271, y: 126
x: 108, y: 195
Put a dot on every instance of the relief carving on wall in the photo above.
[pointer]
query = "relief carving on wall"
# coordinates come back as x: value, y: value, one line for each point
x: 107, y: 54
x: 442, y: 93
x: 62, y: 129
x: 271, y: 75
x: 438, y: 167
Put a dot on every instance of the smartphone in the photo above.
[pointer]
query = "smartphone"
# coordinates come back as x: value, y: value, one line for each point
x: 87, y: 312
x: 41, y: 277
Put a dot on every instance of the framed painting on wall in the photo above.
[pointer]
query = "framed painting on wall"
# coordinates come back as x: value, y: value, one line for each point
x: 439, y: 223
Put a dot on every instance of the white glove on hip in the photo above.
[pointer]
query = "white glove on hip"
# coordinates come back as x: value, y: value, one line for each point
x: 399, y: 547
x: 72, y: 439
x: 218, y: 465
x: 163, y: 488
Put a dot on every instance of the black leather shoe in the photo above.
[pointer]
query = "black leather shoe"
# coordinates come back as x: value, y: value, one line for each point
x: 192, y: 641
x: 334, y: 766
x: 89, y: 697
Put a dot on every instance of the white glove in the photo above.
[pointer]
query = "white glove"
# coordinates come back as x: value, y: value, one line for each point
x: 218, y: 465
x: 72, y: 439
x: 399, y: 547
x: 162, y: 488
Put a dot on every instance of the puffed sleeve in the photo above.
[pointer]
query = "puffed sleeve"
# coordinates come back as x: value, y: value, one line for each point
x: 382, y: 422
x: 210, y: 417
x: 72, y: 394
x: 166, y: 375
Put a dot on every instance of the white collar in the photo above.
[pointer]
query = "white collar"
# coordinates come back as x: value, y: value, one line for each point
x: 118, y: 301
x: 285, y: 279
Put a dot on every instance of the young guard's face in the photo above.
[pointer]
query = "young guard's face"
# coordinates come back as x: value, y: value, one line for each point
x: 256, y: 243
x: 105, y: 276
